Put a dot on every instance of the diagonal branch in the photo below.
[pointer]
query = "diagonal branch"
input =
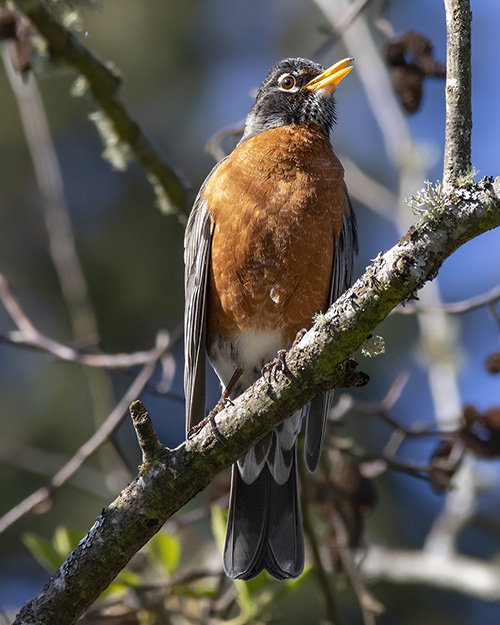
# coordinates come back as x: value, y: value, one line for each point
x: 316, y: 363
x: 101, y: 436
x: 104, y: 84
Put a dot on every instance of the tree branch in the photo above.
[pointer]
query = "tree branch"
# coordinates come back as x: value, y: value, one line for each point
x: 456, y: 573
x: 454, y: 308
x: 28, y: 336
x: 324, y: 585
x: 101, y: 436
x: 61, y: 239
x: 104, y: 83
x: 457, y: 150
x: 146, y: 434
x: 316, y: 363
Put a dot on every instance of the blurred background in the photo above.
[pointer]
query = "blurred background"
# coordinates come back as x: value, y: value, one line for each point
x: 188, y: 71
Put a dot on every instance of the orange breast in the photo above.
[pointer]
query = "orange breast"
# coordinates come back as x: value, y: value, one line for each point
x: 277, y: 206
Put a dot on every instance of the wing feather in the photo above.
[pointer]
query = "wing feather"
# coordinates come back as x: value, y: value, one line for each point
x: 197, y: 245
x: 345, y: 249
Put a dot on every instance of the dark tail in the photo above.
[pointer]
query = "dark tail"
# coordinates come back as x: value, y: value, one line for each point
x: 264, y: 527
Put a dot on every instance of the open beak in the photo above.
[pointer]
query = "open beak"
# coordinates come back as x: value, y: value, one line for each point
x: 330, y: 78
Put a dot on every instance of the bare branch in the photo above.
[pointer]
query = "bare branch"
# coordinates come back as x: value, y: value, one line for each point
x: 457, y: 150
x: 457, y: 573
x: 453, y: 308
x: 41, y: 462
x: 342, y: 24
x: 368, y: 603
x: 60, y: 234
x: 146, y: 434
x: 458, y: 509
x: 28, y: 336
x: 213, y: 145
x: 324, y: 583
x: 90, y: 447
x: 15, y: 311
x: 61, y: 240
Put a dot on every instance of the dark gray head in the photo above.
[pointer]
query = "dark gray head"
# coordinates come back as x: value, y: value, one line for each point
x: 296, y: 91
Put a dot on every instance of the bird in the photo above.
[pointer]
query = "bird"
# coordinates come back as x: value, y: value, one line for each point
x: 269, y: 243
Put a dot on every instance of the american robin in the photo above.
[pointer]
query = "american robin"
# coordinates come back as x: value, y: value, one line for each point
x: 269, y: 243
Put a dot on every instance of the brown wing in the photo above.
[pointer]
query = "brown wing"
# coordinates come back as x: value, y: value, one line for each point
x: 197, y: 244
x: 346, y: 247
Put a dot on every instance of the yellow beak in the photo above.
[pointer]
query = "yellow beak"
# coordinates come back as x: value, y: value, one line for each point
x: 330, y: 78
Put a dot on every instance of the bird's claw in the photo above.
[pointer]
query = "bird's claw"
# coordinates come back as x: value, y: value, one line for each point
x: 277, y: 365
x: 210, y: 420
x: 224, y: 401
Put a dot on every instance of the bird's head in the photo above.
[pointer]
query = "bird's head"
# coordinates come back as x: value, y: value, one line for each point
x: 296, y: 91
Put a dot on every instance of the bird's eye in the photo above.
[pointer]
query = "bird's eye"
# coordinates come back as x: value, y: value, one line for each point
x: 287, y: 82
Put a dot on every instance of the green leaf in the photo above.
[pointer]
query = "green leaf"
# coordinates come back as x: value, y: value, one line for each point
x: 257, y: 584
x: 124, y: 580
x: 51, y: 554
x: 244, y: 600
x: 164, y: 551
x: 43, y: 551
x: 65, y: 540
x: 294, y: 584
x: 201, y: 590
x: 219, y: 520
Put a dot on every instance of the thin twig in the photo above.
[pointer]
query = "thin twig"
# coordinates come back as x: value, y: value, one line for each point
x: 183, y: 580
x: 342, y: 24
x: 462, y: 500
x: 41, y: 462
x: 459, y: 508
x: 368, y: 603
x: 213, y: 145
x: 347, y: 447
x: 372, y: 73
x: 436, y: 338
x: 100, y: 437
x: 14, y: 309
x: 62, y: 244
x: 319, y: 570
x: 453, y: 308
x: 28, y: 336
x: 381, y: 407
x: 61, y: 240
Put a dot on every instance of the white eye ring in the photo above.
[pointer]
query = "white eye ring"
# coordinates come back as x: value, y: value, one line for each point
x: 287, y: 82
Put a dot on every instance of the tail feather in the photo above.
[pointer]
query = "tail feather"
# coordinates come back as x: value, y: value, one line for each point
x: 252, y: 463
x: 246, y: 526
x: 315, y: 428
x: 284, y: 557
x: 264, y: 528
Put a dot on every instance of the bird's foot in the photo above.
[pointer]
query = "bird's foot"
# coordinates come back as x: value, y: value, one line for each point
x: 224, y: 401
x: 277, y: 365
x: 210, y: 420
